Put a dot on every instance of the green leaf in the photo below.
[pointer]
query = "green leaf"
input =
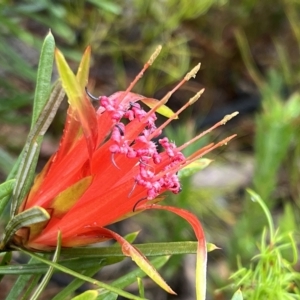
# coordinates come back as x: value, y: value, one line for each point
x: 5, y: 261
x: 256, y: 198
x: 27, y: 163
x: 80, y: 276
x: 141, y: 286
x: 108, y: 6
x: 43, y: 83
x: 6, y: 160
x: 151, y: 249
x: 88, y: 295
x: 50, y: 271
x: 131, y: 277
x: 162, y: 110
x: 237, y: 295
x: 6, y: 189
x: 26, y: 218
x: 194, y: 167
x: 74, y: 264
x: 89, y: 271
x: 20, y: 284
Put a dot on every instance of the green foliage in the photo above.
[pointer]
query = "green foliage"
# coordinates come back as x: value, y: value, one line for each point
x: 270, y: 275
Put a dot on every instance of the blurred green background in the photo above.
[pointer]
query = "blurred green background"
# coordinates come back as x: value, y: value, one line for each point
x: 249, y: 54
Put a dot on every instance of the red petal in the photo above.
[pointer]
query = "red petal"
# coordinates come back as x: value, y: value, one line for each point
x: 201, y: 251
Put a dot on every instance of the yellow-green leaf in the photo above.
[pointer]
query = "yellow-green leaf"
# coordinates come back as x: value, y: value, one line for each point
x: 69, y: 82
x: 163, y: 110
x: 84, y: 67
x: 88, y: 295
x: 78, y: 101
x: 194, y: 167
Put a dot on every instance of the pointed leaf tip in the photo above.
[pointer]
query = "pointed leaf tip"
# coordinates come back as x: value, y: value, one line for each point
x: 140, y: 260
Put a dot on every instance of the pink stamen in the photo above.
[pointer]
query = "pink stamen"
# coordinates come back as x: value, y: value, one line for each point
x: 192, y: 158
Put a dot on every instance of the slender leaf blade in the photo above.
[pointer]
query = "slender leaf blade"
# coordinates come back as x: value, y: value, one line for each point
x: 43, y: 83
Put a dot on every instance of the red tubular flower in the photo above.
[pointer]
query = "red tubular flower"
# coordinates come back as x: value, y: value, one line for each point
x: 108, y: 168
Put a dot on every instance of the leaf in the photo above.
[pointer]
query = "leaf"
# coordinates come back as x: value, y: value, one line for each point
x: 150, y: 249
x: 194, y: 167
x: 88, y: 295
x: 131, y: 277
x: 6, y: 160
x: 77, y: 97
x: 237, y: 295
x: 20, y: 284
x: 84, y: 68
x: 27, y: 163
x: 73, y: 264
x: 6, y: 189
x: 163, y: 110
x: 26, y: 218
x: 44, y: 74
x: 139, y: 259
x: 5, y: 261
x: 50, y: 271
x: 78, y: 275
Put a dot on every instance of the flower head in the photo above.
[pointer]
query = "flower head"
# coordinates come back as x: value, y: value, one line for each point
x: 111, y: 164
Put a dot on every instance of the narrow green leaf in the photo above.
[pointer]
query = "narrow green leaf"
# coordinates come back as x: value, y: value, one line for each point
x: 151, y: 249
x: 73, y: 264
x: 141, y: 287
x: 131, y: 277
x: 20, y: 284
x: 50, y: 271
x: 5, y: 261
x: 80, y: 276
x: 6, y: 189
x: 256, y: 198
x: 28, y: 217
x: 89, y: 271
x: 29, y: 288
x: 27, y: 163
x: 88, y: 295
x: 6, y: 160
x: 6, y: 258
x: 43, y: 83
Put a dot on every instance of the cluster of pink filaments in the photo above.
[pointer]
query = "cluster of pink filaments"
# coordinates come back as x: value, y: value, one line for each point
x: 142, y: 147
x: 156, y: 172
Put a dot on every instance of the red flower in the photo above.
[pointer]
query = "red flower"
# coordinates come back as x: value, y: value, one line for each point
x: 108, y: 168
